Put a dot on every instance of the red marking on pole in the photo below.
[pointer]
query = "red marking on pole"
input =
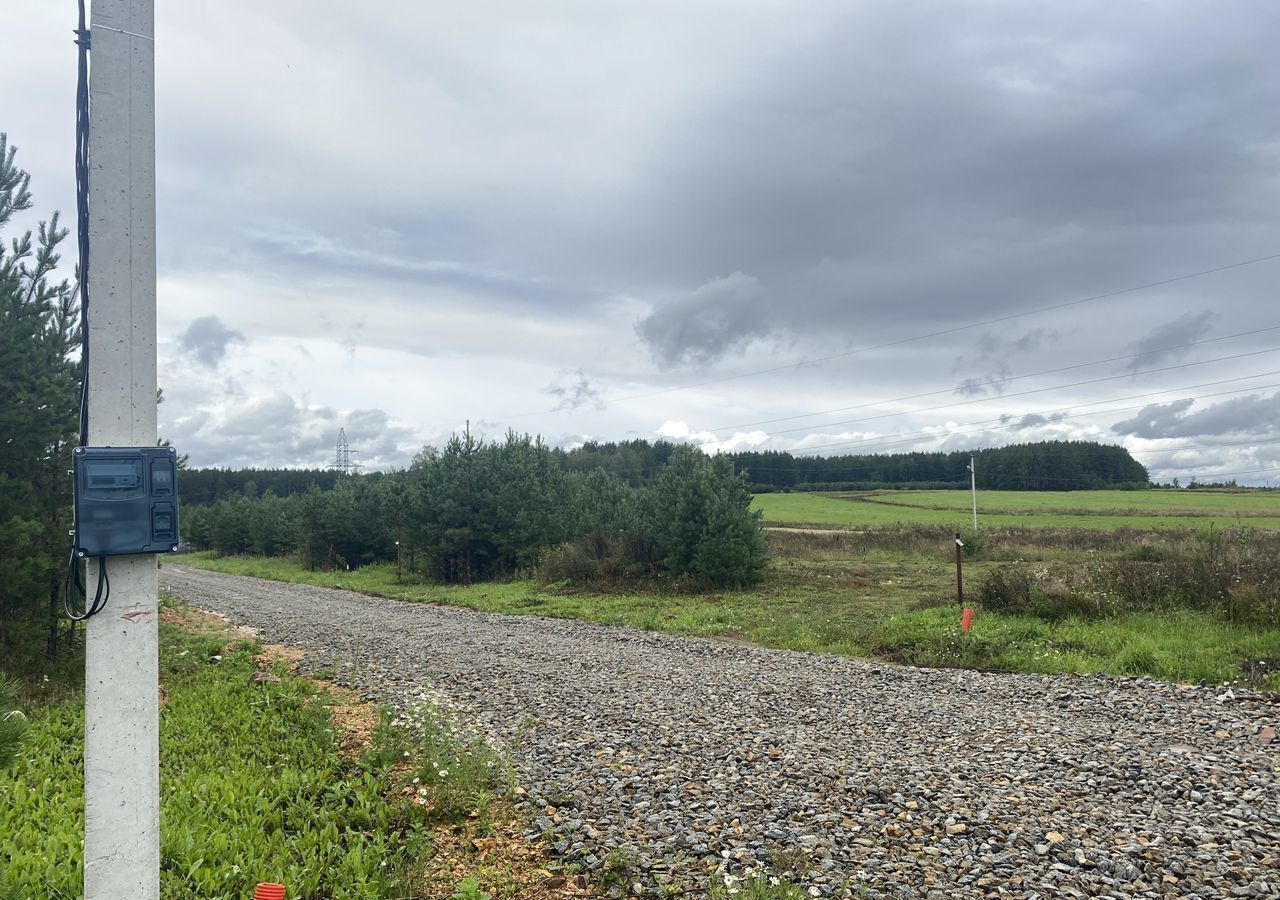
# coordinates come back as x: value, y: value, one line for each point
x: 966, y: 618
x: 136, y: 614
x: 267, y: 891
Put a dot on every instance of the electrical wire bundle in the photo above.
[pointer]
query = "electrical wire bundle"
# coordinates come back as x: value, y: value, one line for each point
x: 75, y: 597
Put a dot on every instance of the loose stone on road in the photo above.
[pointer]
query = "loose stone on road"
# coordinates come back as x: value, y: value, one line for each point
x: 684, y: 756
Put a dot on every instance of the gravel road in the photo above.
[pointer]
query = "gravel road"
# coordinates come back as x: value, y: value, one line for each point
x: 684, y: 755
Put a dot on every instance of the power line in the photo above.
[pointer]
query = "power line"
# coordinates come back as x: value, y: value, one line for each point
x: 1002, y: 423
x: 808, y: 361
x: 1058, y: 387
x: 1208, y: 446
x: 997, y: 381
x: 1220, y: 475
x: 1003, y: 420
x: 933, y: 334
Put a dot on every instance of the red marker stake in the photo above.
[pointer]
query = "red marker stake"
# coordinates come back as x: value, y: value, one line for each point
x: 966, y: 618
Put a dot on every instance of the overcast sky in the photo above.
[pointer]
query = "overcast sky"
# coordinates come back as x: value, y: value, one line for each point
x: 735, y: 223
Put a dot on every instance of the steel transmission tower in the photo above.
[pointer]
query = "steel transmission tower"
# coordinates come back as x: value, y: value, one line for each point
x: 342, y: 459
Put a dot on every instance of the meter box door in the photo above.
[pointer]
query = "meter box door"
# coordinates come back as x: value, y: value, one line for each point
x: 126, y: 500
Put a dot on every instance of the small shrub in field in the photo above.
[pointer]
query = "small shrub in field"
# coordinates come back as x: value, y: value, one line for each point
x: 568, y: 563
x: 1142, y: 585
x: 1233, y: 574
x: 1007, y: 589
x: 975, y: 543
x: 1056, y: 601
x: 1148, y: 552
x: 1254, y: 604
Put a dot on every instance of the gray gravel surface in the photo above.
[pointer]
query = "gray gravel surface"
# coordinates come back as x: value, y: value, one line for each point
x: 683, y: 756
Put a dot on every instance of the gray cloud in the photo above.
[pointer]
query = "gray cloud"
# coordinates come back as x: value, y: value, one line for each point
x: 274, y: 429
x: 579, y: 393
x: 1254, y: 414
x: 803, y: 185
x: 1161, y: 344
x: 207, y: 339
x: 988, y: 383
x: 698, y: 328
x: 972, y: 182
x: 991, y: 356
x: 1031, y: 420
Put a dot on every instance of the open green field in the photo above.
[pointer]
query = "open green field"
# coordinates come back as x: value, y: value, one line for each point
x: 1098, y: 510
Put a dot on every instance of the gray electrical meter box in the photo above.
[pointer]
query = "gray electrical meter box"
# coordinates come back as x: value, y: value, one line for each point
x: 126, y: 500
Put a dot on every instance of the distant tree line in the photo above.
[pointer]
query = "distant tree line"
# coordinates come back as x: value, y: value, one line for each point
x: 204, y: 486
x: 476, y: 510
x: 1043, y: 466
x: 635, y: 462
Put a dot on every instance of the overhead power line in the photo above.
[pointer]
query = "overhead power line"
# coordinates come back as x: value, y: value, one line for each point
x: 1253, y: 443
x: 1057, y: 387
x: 946, y: 331
x: 814, y: 360
x: 1220, y: 475
x: 1000, y: 381
x: 870, y: 446
x: 1004, y: 421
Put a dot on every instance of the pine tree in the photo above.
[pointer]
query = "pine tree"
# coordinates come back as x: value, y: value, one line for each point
x: 38, y: 419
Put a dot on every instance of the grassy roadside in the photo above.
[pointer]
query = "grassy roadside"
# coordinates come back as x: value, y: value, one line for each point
x: 276, y: 778
x: 885, y: 605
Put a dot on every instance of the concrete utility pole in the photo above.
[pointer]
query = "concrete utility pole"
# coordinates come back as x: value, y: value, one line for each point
x: 122, y: 720
x: 973, y: 487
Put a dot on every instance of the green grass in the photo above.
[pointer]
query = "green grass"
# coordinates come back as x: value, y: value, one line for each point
x: 1102, y: 510
x: 1172, y: 646
x: 887, y: 606
x: 253, y: 788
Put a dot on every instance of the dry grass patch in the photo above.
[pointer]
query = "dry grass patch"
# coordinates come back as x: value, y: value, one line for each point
x: 197, y: 621
x: 354, y: 720
x: 491, y: 851
x: 279, y: 654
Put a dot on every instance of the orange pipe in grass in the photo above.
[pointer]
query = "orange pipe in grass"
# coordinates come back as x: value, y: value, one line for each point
x: 267, y: 891
x: 966, y: 619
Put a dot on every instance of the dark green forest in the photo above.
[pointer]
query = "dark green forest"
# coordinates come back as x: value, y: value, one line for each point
x: 204, y: 486
x: 475, y: 510
x: 1044, y: 466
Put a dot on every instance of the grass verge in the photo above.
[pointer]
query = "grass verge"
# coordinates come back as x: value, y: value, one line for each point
x: 275, y: 778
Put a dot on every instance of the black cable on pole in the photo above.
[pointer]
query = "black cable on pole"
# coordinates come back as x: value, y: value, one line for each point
x: 74, y: 593
x: 83, y: 42
x: 74, y: 586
